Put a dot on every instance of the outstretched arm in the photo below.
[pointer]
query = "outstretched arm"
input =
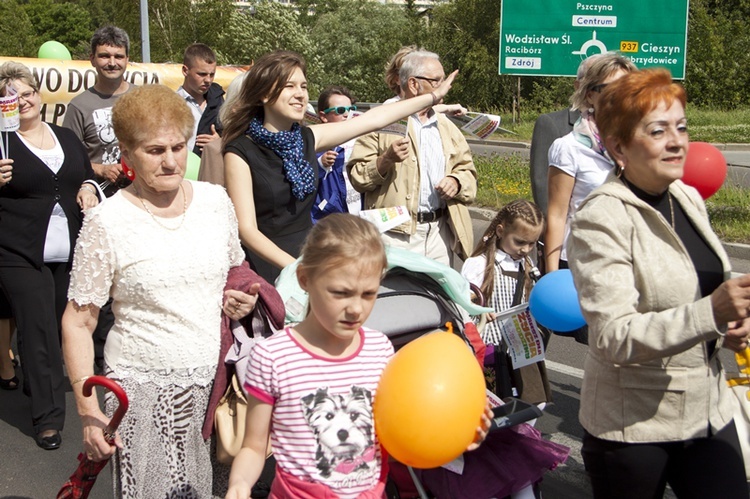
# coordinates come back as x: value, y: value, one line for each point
x: 328, y: 135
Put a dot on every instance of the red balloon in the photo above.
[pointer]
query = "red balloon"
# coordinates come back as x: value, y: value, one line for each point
x: 705, y: 168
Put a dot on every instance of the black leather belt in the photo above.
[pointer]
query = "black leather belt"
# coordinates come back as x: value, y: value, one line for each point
x: 430, y: 216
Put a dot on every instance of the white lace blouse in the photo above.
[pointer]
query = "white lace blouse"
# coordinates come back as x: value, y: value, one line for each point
x: 166, y: 284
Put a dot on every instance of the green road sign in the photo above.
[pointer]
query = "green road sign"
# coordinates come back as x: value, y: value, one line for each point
x: 552, y: 37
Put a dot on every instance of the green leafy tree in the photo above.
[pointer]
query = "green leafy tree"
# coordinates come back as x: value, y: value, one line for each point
x: 17, y: 35
x: 65, y: 22
x: 718, y: 54
x: 173, y: 24
x: 356, y: 41
x: 465, y: 34
x: 250, y: 33
x: 311, y: 10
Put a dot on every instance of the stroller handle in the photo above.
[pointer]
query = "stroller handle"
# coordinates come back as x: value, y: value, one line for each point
x: 122, y: 398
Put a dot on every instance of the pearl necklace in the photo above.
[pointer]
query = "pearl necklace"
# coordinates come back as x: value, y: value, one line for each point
x: 184, y: 208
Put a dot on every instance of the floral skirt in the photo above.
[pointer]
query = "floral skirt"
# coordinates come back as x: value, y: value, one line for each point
x: 164, y: 454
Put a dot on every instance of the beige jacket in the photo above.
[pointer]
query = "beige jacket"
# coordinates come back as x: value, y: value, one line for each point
x: 400, y: 186
x: 647, y: 375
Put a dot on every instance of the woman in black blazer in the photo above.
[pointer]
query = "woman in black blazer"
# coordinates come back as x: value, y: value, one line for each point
x: 43, y: 190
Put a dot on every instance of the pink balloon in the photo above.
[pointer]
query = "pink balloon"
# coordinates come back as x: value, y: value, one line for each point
x: 705, y: 168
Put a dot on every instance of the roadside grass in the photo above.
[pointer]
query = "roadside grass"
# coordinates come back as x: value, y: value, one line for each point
x: 718, y: 126
x: 704, y: 125
x: 729, y: 211
x: 503, y: 178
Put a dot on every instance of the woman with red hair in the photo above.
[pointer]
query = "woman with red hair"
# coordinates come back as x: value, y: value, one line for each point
x: 654, y: 287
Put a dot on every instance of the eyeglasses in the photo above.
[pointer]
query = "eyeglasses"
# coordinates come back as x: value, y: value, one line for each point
x: 340, y: 109
x: 27, y: 95
x: 434, y: 82
x: 598, y: 88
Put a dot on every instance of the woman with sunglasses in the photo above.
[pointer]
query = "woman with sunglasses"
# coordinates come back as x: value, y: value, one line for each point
x: 335, y: 193
x: 270, y: 162
x: 578, y: 161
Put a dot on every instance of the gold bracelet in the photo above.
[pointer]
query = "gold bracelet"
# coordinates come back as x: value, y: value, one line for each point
x: 79, y: 380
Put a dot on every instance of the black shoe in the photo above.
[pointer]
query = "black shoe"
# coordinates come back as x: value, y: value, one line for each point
x: 9, y: 384
x: 49, y: 442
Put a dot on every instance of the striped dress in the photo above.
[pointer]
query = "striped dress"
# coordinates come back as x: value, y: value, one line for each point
x: 504, y: 288
x: 322, y: 425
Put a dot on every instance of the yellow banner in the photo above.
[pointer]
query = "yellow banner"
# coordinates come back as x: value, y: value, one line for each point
x: 60, y: 81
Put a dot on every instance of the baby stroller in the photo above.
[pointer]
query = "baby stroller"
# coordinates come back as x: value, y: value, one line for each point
x: 418, y: 296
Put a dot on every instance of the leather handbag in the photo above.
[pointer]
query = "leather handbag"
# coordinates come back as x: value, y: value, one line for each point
x: 229, y: 422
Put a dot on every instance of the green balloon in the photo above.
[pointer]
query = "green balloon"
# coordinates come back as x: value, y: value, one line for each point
x: 193, y: 166
x: 54, y: 50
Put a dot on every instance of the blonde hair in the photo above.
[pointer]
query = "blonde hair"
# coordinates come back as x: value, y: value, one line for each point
x: 595, y: 73
x: 341, y: 238
x: 13, y: 70
x: 520, y: 209
x: 231, y: 96
x: 140, y: 113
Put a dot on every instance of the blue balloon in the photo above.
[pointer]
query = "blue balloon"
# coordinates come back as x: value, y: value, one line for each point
x: 554, y: 302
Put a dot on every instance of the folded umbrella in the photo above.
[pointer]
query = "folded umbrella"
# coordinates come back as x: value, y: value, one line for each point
x: 82, y: 480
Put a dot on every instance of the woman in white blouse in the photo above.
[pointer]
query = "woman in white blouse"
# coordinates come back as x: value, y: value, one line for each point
x: 578, y: 161
x: 162, y: 249
x: 43, y: 190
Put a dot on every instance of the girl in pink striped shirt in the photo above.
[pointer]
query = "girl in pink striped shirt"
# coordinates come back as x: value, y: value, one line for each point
x: 311, y: 387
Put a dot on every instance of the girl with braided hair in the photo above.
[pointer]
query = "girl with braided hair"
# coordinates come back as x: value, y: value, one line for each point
x: 500, y: 266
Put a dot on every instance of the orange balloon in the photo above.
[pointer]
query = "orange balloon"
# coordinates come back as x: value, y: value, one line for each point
x: 430, y: 401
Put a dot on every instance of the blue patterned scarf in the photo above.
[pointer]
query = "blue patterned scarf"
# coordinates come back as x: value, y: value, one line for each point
x: 288, y: 145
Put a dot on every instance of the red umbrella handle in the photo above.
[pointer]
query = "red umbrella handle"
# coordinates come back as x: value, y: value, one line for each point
x: 122, y: 398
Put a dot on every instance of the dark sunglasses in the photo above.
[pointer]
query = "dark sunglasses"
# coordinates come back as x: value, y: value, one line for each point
x: 598, y: 88
x: 340, y: 109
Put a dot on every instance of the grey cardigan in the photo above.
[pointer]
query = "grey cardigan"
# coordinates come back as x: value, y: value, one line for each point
x: 647, y: 375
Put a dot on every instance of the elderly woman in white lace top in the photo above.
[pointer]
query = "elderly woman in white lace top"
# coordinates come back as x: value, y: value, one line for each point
x: 162, y: 249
